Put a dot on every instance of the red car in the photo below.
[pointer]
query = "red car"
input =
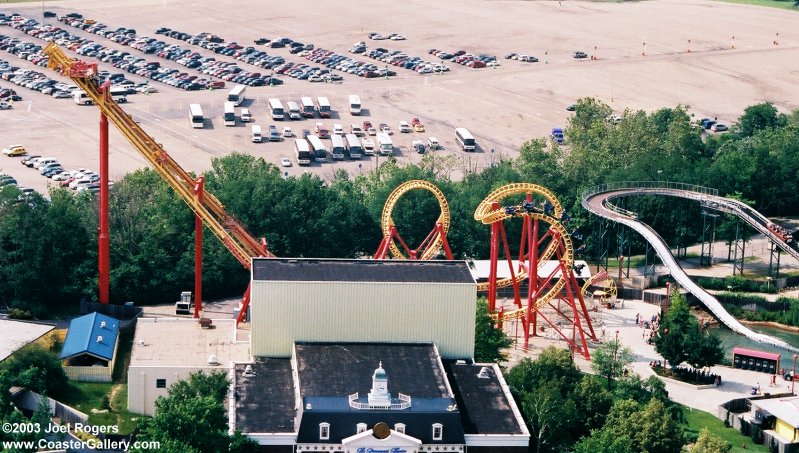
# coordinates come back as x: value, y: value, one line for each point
x: 367, y: 125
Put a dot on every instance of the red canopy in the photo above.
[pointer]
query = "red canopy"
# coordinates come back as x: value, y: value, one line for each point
x: 758, y: 354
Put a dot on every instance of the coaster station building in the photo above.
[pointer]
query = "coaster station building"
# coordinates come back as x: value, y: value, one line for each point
x: 366, y: 355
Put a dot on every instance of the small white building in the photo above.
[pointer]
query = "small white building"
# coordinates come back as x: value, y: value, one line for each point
x: 166, y: 350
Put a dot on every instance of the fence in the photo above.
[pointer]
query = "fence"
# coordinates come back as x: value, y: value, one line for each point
x: 29, y: 401
x: 120, y: 312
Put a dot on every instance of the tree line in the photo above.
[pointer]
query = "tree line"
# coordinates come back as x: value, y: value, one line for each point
x: 48, y: 250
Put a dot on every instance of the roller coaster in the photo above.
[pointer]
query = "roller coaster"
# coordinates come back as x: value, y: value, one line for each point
x: 436, y: 240
x: 599, y: 201
x: 204, y: 204
x: 544, y: 238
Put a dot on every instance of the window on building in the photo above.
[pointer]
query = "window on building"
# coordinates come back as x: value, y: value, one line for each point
x: 324, y: 431
x: 400, y: 428
x: 361, y: 427
x: 160, y: 383
x: 438, y: 431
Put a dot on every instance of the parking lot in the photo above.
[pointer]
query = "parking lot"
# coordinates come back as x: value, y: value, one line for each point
x: 639, y: 53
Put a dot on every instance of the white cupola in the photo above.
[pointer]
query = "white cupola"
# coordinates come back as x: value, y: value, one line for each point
x: 379, y: 395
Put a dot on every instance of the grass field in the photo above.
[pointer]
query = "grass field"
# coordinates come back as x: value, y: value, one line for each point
x: 697, y: 420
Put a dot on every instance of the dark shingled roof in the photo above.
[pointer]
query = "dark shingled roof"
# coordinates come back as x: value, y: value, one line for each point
x: 418, y: 420
x: 265, y: 401
x: 340, y: 369
x: 344, y: 270
x: 483, y: 405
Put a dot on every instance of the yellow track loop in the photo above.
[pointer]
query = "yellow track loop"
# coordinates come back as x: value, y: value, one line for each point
x: 603, y: 281
x: 388, y: 209
x: 487, y: 214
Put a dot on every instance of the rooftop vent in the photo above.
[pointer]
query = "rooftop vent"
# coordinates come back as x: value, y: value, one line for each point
x: 452, y: 407
x: 485, y: 373
x: 460, y: 362
x: 308, y: 406
x: 99, y: 338
x: 248, y: 372
x: 102, y: 324
x: 212, y: 360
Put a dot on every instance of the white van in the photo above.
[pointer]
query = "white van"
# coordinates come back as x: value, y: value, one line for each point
x: 42, y: 161
x: 257, y: 136
x: 246, y: 116
x: 433, y: 144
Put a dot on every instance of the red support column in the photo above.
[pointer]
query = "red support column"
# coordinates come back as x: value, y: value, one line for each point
x: 104, y: 254
x: 199, y: 188
x: 492, y: 275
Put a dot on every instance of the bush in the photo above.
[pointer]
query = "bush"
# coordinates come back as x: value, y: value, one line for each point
x: 736, y: 283
x: 18, y: 313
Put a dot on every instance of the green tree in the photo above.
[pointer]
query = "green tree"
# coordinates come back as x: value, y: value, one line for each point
x: 758, y: 117
x: 648, y: 429
x: 553, y: 366
x: 611, y: 359
x: 709, y: 443
x: 674, y: 329
x: 36, y: 369
x: 489, y: 341
x: 656, y: 430
x: 604, y: 441
x: 592, y: 402
x: 680, y: 338
x: 550, y: 417
x: 193, y: 418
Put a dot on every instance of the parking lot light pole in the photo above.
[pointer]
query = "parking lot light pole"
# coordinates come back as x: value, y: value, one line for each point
x: 793, y: 375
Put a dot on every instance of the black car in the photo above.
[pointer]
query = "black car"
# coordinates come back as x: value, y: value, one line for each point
x: 571, y: 107
x: 580, y: 54
x: 49, y: 14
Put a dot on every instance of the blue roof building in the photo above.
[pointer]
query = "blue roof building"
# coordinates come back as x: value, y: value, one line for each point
x: 89, y: 351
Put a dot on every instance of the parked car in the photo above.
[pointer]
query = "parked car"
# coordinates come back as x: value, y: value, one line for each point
x: 433, y: 144
x: 571, y: 107
x: 718, y: 127
x: 15, y: 150
x: 580, y: 54
x: 404, y: 127
x: 285, y: 162
x: 418, y: 146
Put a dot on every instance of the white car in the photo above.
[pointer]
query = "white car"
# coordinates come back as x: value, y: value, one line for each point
x: 287, y: 132
x: 62, y: 176
x: 338, y: 129
x: 356, y: 130
x: 285, y: 162
x: 397, y: 38
x: 368, y: 144
x: 404, y: 127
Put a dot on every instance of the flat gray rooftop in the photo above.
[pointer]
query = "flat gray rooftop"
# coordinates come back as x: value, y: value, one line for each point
x: 182, y: 342
x: 352, y: 270
x: 16, y: 334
